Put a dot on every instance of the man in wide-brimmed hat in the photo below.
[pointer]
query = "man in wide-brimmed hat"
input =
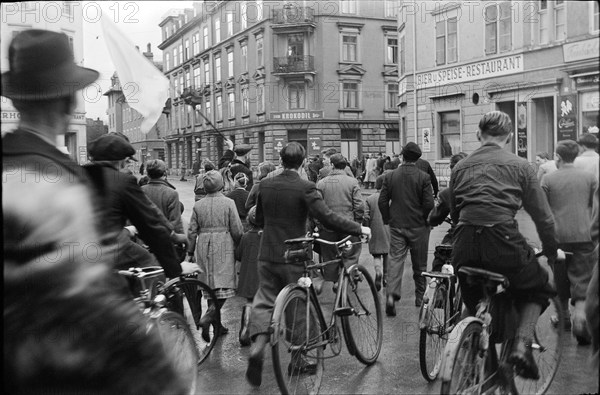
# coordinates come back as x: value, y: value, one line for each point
x: 41, y: 82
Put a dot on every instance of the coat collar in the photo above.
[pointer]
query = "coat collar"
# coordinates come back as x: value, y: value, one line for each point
x: 162, y: 182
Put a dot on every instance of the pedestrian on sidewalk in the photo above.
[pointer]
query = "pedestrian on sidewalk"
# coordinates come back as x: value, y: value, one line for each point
x: 247, y: 254
x: 570, y: 193
x: 370, y: 172
x: 214, y: 231
x: 379, y: 243
x: 183, y: 171
x: 405, y: 201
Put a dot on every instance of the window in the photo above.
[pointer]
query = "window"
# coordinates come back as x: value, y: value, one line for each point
x: 217, y: 30
x: 350, y: 95
x: 498, y: 28
x: 230, y: 63
x: 231, y: 100
x: 391, y: 55
x: 187, y: 78
x: 349, y: 143
x: 181, y: 83
x: 207, y: 106
x: 391, y: 9
x: 180, y: 54
x: 259, y: 10
x: 244, y: 16
x: 392, y: 141
x: 296, y: 96
x: 349, y: 46
x: 175, y: 57
x: 391, y: 96
x: 196, y: 44
x: 219, y: 108
x: 348, y: 6
x: 71, y: 43
x: 544, y: 23
x: 196, y: 77
x: 595, y: 17
x: 206, y: 72
x: 218, y: 68
x: 560, y: 16
x: 244, y: 51
x: 402, y: 55
x: 168, y: 61
x: 245, y: 106
x: 259, y: 52
x: 186, y: 54
x: 67, y: 9
x: 176, y: 86
x: 229, y: 24
x: 450, y: 133
x: 260, y: 96
x: 446, y: 41
x: 205, y: 37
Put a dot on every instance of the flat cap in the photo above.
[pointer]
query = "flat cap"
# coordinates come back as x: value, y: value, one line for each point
x: 242, y: 149
x: 411, y: 151
x: 111, y: 147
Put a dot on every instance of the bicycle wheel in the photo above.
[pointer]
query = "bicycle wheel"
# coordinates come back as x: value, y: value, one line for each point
x: 363, y: 326
x: 191, y: 298
x: 548, y: 333
x: 433, y: 326
x: 179, y: 345
x: 298, y: 343
x: 467, y: 363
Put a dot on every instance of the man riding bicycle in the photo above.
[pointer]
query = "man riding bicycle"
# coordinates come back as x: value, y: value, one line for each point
x: 487, y: 190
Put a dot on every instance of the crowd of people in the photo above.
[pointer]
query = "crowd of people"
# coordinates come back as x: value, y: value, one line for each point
x: 55, y: 211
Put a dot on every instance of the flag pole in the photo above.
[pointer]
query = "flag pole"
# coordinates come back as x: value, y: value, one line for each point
x: 190, y: 101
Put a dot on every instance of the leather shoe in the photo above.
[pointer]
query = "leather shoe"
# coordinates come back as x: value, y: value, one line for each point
x: 390, y: 307
x: 254, y: 371
x: 522, y: 359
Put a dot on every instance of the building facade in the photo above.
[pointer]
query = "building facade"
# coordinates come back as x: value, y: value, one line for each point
x: 124, y: 119
x: 94, y: 129
x: 535, y: 60
x: 60, y: 16
x: 268, y: 72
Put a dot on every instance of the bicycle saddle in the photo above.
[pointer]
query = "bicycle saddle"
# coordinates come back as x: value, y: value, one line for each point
x: 444, y: 248
x: 299, y: 240
x: 472, y: 274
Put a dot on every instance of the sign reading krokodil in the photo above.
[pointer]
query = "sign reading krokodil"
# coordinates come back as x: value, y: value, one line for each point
x: 470, y: 72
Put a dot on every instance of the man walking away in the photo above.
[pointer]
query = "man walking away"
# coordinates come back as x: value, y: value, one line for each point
x: 405, y: 202
x: 423, y: 165
x: 570, y: 193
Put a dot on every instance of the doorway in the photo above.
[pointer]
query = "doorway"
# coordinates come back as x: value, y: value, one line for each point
x: 542, y: 125
x: 508, y: 107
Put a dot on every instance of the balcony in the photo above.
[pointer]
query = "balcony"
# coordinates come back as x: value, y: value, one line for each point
x: 294, y: 16
x: 293, y: 64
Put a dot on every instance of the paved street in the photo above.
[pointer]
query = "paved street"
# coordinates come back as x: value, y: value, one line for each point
x: 397, y: 370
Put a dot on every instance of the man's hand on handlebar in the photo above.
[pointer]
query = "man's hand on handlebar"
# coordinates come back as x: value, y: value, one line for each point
x: 189, y: 268
x: 366, y: 232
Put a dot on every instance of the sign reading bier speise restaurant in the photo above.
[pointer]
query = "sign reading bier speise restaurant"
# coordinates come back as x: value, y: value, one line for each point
x: 471, y: 71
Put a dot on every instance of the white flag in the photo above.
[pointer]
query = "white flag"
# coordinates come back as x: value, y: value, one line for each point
x: 145, y: 88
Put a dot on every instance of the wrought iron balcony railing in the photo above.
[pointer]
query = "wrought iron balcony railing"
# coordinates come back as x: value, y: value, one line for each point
x: 293, y: 15
x: 293, y: 64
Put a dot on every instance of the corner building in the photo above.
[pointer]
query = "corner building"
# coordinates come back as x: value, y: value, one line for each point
x: 535, y: 60
x: 269, y: 72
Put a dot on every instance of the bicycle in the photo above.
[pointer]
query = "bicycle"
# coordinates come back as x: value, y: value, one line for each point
x: 471, y: 363
x: 300, y: 333
x: 178, y: 343
x: 440, y: 312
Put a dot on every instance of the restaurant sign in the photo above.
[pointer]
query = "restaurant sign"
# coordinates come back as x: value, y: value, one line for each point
x: 296, y: 115
x: 471, y: 71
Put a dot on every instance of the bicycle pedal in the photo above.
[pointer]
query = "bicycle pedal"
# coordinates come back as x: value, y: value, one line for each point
x: 343, y: 311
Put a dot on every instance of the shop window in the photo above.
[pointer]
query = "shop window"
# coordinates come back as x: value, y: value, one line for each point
x: 590, y: 112
x: 349, y: 143
x: 449, y: 133
x: 392, y: 141
x: 298, y: 136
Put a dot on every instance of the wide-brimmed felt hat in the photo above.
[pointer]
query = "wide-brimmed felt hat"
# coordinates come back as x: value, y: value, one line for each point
x: 42, y: 67
x: 212, y: 181
x: 242, y: 149
x: 111, y: 147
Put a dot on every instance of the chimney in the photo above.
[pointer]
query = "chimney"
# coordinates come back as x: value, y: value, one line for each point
x: 149, y: 55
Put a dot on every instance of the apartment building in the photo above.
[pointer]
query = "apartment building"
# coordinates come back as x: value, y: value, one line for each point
x: 535, y: 60
x: 268, y: 72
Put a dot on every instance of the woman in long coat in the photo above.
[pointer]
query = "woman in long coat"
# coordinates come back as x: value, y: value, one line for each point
x: 215, y: 229
x: 379, y: 243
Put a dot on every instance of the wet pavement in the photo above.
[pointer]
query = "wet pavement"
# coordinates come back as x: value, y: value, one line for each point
x: 397, y: 369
